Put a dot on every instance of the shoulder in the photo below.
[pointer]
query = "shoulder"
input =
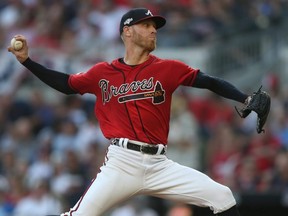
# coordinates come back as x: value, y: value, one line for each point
x: 175, y: 62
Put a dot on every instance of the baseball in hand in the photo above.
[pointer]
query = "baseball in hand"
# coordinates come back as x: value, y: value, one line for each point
x: 16, y: 44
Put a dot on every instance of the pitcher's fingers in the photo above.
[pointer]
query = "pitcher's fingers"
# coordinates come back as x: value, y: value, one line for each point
x: 10, y: 49
x: 21, y: 38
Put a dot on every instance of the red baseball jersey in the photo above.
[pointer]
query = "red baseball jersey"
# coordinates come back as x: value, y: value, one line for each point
x: 134, y: 101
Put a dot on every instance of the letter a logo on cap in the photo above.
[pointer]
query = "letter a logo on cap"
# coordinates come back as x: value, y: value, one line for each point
x: 149, y: 13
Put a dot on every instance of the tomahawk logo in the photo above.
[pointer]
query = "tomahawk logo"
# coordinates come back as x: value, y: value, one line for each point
x: 149, y: 13
x: 157, y: 95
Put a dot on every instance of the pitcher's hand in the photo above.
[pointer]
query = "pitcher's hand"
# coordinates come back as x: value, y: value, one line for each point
x: 21, y: 54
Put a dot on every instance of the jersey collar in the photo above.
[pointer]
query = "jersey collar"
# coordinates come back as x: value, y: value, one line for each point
x: 118, y: 63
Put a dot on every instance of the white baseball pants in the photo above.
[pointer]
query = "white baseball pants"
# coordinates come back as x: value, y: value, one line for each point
x: 127, y: 173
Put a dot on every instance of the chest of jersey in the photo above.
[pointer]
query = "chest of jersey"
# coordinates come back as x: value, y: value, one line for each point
x: 134, y: 102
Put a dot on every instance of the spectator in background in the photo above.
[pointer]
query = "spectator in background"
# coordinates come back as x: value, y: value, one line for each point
x: 280, y: 177
x: 107, y: 14
x: 11, y: 75
x: 210, y: 112
x: 38, y: 202
x: 184, y: 142
x: 40, y: 168
x: 64, y: 139
x: 223, y: 154
x: 180, y: 210
x: 16, y: 191
x: 4, y: 187
x: 20, y: 139
x: 135, y: 207
x: 247, y: 175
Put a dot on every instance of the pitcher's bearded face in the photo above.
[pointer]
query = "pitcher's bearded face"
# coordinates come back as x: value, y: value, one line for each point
x: 144, y: 35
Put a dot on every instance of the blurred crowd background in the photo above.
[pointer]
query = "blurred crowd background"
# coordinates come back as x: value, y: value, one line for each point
x: 51, y: 146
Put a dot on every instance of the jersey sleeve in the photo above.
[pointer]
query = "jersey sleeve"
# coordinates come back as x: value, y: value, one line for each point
x: 84, y: 82
x: 186, y: 75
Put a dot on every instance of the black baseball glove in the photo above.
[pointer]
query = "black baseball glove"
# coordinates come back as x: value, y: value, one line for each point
x: 258, y: 102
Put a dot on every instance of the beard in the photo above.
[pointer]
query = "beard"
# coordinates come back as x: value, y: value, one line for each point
x: 147, y: 43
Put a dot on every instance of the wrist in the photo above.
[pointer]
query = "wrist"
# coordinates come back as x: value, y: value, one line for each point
x: 22, y: 60
x: 25, y: 61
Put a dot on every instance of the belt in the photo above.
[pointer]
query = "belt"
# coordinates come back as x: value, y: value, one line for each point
x: 157, y: 149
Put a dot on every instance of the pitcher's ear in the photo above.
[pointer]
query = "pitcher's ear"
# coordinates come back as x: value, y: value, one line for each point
x: 127, y: 31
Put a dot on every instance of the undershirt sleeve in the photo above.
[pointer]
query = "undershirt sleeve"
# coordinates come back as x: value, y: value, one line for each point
x: 54, y: 79
x: 219, y: 86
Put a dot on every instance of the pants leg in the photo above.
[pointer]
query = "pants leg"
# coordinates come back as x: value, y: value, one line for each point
x: 117, y: 181
x: 170, y: 180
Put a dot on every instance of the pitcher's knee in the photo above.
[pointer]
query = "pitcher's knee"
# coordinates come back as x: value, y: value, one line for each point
x: 226, y: 194
x: 223, y: 200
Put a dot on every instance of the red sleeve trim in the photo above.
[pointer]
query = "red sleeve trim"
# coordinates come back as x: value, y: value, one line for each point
x: 70, y: 83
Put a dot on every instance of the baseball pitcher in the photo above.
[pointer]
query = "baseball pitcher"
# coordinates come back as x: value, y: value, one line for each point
x: 133, y: 109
